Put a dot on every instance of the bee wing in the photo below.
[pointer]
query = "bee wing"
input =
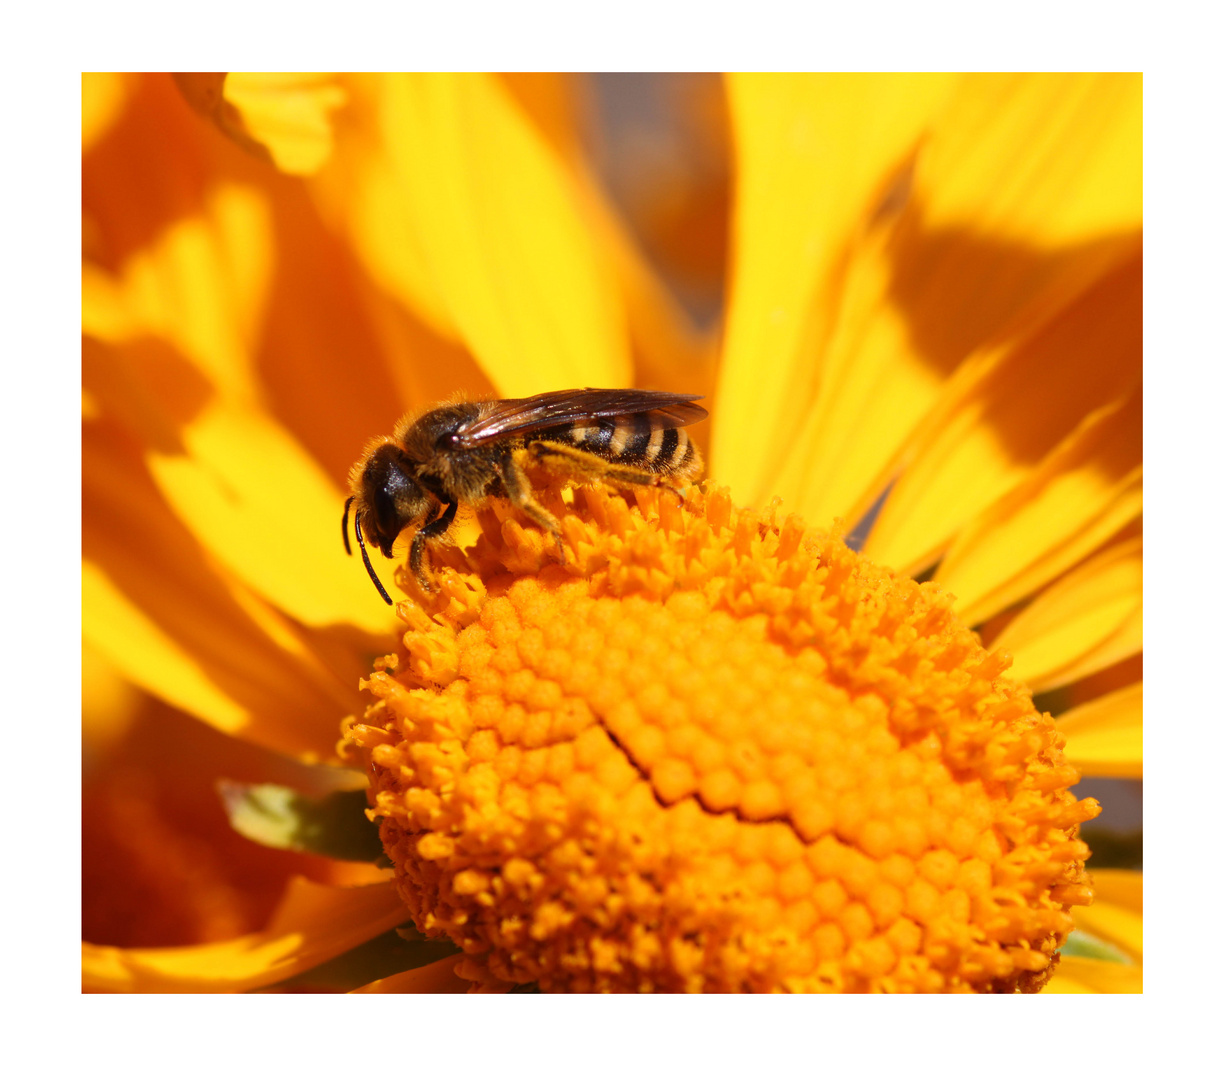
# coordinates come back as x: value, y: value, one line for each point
x: 522, y: 416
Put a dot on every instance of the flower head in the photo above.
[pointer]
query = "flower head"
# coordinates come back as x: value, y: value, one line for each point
x: 716, y: 752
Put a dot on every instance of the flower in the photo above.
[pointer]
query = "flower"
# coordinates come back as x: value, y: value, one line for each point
x: 932, y: 327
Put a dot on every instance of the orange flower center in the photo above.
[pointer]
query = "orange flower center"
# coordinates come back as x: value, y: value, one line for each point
x: 711, y: 752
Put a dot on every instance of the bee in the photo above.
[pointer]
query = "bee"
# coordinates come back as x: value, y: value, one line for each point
x: 470, y: 451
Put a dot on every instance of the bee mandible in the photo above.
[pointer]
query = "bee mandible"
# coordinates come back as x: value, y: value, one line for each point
x: 470, y: 451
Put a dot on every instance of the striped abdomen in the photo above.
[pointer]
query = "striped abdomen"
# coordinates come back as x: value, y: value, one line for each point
x: 633, y: 441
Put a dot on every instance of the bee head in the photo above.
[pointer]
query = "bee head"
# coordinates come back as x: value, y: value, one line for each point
x: 388, y: 499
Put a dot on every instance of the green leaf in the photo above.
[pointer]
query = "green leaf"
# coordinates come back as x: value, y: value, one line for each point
x: 388, y: 954
x: 1080, y: 943
x: 333, y: 825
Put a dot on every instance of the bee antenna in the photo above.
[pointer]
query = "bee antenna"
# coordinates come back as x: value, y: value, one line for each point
x: 365, y: 554
x: 347, y: 503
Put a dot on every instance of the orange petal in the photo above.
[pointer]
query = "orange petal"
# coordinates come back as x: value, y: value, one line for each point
x: 465, y: 212
x: 1003, y: 414
x: 314, y: 923
x: 435, y: 978
x: 1082, y: 494
x: 1088, y: 620
x: 109, y: 705
x: 1104, y: 736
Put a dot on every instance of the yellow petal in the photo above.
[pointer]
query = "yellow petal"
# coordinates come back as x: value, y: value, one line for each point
x: 871, y: 393
x: 1124, y: 644
x: 1104, y: 736
x: 1003, y: 414
x: 1083, y: 975
x: 313, y: 924
x: 289, y: 113
x: 814, y: 153
x: 118, y: 630
x: 1116, y: 914
x: 159, y: 609
x: 263, y: 507
x: 473, y: 221
x: 1083, y: 623
x: 1048, y: 160
x: 1081, y: 495
x: 1125, y: 888
x: 1014, y: 194
x: 435, y: 978
x: 668, y: 350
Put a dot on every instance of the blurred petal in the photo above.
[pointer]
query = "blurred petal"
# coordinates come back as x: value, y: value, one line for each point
x: 1082, y: 975
x: 1083, y: 623
x: 1079, y: 497
x: 104, y: 95
x: 1104, y: 736
x: 464, y: 211
x: 1116, y: 914
x: 160, y: 865
x: 109, y: 704
x: 338, y: 360
x: 204, y: 91
x: 1003, y: 414
x: 668, y: 350
x: 435, y: 978
x: 814, y: 153
x: 200, y: 285
x: 120, y: 630
x: 156, y: 606
x: 288, y: 113
x: 313, y: 924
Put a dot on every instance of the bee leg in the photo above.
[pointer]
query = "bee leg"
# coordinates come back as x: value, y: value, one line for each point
x: 518, y: 490
x: 582, y: 465
x: 424, y: 534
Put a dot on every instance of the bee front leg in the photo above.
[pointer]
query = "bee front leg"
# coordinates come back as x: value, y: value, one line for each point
x: 424, y: 534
